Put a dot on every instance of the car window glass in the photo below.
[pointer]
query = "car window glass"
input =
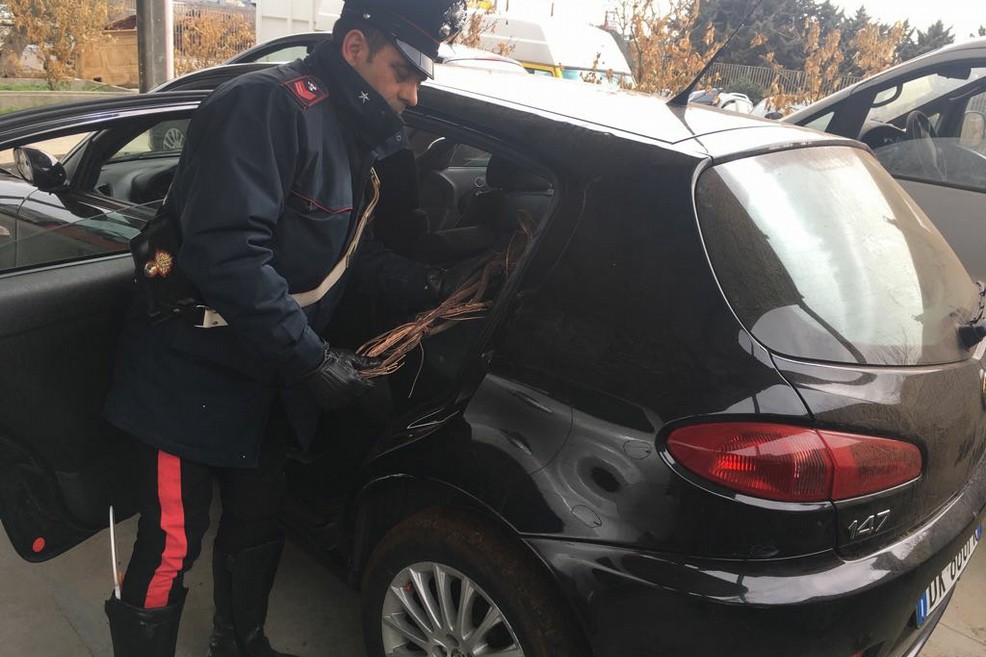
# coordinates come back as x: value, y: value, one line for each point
x: 823, y: 257
x: 606, y: 78
x: 58, y: 148
x: 469, y: 156
x: 165, y: 136
x: 977, y: 103
x: 973, y: 131
x: 821, y: 122
x: 47, y: 232
x: 939, y: 160
x: 895, y: 102
x: 462, y: 155
x: 141, y: 169
x: 286, y: 54
x: 456, y: 218
x: 486, y: 64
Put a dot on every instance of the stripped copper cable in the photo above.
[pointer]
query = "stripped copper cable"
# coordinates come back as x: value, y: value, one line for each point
x: 465, y: 304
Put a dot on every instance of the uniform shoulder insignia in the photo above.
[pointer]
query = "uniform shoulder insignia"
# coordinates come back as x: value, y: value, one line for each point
x: 307, y: 90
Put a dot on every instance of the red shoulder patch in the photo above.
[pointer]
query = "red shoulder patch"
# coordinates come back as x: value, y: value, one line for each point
x: 307, y: 90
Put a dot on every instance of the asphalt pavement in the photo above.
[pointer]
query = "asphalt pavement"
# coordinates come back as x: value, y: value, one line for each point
x: 55, y: 609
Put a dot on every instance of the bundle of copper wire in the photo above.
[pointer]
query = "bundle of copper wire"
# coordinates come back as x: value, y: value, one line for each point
x: 466, y: 303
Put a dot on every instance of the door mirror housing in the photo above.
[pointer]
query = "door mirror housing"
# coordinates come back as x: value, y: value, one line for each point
x: 39, y: 168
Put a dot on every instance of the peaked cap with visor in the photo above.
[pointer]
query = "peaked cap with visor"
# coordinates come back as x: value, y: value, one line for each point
x: 415, y: 27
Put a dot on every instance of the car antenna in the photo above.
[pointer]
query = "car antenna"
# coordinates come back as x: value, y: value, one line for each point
x: 682, y: 97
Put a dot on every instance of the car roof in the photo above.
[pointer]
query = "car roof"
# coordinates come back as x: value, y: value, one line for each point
x: 206, y: 79
x: 643, y: 115
x: 447, y: 53
x: 634, y: 113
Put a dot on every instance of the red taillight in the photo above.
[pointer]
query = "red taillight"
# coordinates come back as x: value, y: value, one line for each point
x: 793, y: 464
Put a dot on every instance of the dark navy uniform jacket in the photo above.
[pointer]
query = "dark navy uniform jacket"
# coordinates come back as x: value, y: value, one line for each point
x: 267, y: 190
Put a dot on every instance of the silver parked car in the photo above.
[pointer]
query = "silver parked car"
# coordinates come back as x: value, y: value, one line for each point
x: 925, y: 120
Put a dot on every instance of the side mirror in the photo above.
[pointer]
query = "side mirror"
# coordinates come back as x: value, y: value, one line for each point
x: 37, y: 167
x: 956, y: 71
x: 973, y: 129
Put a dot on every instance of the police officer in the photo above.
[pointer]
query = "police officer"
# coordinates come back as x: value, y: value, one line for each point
x: 268, y: 197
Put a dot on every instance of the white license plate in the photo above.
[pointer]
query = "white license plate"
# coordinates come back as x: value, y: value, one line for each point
x: 938, y: 590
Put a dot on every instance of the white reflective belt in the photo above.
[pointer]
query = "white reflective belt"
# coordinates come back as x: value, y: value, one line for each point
x: 212, y: 319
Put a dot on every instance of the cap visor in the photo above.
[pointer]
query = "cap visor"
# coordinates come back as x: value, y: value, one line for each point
x: 418, y: 59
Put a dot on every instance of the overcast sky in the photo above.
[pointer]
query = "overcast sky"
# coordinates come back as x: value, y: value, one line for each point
x: 965, y: 16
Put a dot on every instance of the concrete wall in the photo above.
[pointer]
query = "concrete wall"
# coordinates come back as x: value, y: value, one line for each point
x: 28, y: 99
x: 114, y: 62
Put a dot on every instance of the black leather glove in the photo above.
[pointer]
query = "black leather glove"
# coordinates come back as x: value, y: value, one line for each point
x: 337, y: 381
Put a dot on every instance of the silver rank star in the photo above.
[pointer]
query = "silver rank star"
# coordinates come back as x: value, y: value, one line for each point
x: 363, y: 96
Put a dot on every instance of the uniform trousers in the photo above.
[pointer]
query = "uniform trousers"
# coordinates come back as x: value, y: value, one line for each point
x: 175, y: 499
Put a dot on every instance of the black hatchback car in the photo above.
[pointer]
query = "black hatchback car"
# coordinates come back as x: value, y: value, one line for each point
x: 730, y: 401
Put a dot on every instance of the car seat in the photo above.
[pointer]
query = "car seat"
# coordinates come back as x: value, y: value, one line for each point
x: 490, y: 217
x: 436, y: 190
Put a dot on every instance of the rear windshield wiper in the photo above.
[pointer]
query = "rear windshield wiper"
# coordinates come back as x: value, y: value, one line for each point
x: 974, y: 331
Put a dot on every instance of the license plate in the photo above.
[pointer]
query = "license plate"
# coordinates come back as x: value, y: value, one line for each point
x: 938, y: 590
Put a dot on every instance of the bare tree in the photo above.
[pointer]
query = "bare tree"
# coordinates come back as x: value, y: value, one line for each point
x: 661, y: 55
x: 61, y: 30
x: 481, y: 22
x: 873, y: 49
x: 206, y: 37
x: 11, y: 49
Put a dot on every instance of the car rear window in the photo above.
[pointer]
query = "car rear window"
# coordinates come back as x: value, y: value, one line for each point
x: 822, y: 256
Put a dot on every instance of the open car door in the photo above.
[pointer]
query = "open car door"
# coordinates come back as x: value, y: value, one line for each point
x: 61, y: 464
x: 66, y: 280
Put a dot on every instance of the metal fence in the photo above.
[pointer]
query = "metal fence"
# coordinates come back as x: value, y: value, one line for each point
x: 204, y: 34
x: 232, y: 30
x: 122, y: 8
x: 790, y: 82
x: 186, y: 14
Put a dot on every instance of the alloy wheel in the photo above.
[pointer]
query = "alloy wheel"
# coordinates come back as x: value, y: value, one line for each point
x: 174, y: 139
x: 433, y: 610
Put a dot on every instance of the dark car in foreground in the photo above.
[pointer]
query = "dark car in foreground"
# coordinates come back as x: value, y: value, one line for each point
x: 925, y: 120
x: 729, y: 401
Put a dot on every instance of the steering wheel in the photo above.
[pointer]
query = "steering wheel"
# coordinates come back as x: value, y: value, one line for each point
x: 928, y: 157
x: 152, y: 184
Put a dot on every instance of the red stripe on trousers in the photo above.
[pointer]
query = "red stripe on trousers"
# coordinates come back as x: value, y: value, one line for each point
x: 173, y: 526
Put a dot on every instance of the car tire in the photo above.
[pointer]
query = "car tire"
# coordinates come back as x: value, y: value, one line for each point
x: 169, y: 136
x: 441, y: 549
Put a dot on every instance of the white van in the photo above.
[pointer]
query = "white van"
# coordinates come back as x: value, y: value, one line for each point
x: 556, y: 47
x: 545, y: 46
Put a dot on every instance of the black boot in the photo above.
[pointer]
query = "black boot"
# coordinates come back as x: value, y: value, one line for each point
x: 139, y: 632
x: 242, y: 584
x: 222, y: 641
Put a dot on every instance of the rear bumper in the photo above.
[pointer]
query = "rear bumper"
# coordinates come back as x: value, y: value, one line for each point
x: 634, y: 604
